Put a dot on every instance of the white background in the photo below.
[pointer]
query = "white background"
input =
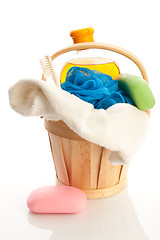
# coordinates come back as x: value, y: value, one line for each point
x: 30, y: 30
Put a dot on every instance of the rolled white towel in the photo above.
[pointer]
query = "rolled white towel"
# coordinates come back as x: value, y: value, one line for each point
x: 121, y: 128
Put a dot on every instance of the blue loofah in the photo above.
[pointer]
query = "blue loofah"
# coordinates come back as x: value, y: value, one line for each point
x: 94, y: 87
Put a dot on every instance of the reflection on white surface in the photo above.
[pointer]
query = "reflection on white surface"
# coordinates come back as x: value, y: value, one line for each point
x: 111, y: 218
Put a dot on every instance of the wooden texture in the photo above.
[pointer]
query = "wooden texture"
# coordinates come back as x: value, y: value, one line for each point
x: 102, y: 193
x: 58, y: 158
x: 80, y: 164
x: 59, y: 128
x: 82, y: 161
x: 106, y: 192
x: 96, y: 154
x: 109, y: 174
x: 66, y: 146
x: 124, y: 172
x: 84, y: 165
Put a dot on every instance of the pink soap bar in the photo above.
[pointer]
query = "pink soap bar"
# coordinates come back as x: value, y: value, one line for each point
x: 57, y: 199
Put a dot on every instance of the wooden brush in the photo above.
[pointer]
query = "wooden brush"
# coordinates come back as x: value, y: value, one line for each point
x: 48, y: 69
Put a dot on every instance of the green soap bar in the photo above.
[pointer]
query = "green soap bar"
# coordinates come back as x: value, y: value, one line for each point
x: 137, y: 89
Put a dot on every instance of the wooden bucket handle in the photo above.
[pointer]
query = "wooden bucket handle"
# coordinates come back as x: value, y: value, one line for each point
x: 104, y: 46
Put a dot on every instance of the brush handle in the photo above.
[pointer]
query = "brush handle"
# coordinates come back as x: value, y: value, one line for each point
x: 104, y: 46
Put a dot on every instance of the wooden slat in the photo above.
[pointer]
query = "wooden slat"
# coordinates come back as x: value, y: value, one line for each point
x: 58, y: 158
x: 124, y: 172
x: 52, y: 152
x: 59, y: 128
x: 96, y: 154
x: 109, y: 174
x: 80, y: 164
x: 66, y: 146
x: 94, y: 157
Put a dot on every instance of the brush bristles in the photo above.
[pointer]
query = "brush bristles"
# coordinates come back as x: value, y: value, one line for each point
x: 47, y: 66
x: 48, y: 69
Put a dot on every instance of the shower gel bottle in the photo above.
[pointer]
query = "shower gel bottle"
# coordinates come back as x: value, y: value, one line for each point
x: 89, y: 58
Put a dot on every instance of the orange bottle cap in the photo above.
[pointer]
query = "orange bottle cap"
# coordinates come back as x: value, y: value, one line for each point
x: 82, y: 35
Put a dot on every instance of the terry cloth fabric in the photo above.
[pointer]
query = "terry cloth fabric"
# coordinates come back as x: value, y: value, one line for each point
x: 94, y: 87
x: 121, y: 128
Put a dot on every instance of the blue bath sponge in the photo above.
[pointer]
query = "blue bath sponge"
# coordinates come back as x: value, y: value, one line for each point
x: 94, y: 87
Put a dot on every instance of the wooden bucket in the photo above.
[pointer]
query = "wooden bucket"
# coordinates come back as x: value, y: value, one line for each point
x: 83, y: 164
x: 80, y: 163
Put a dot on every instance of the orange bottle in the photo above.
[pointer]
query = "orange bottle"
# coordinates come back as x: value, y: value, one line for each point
x: 89, y: 58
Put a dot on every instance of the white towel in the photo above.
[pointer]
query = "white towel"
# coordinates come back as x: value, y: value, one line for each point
x: 121, y: 128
